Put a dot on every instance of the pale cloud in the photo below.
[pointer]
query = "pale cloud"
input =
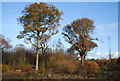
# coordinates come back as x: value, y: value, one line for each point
x: 107, y: 27
x: 104, y: 56
x: 116, y: 54
x: 112, y: 26
x: 105, y: 30
x: 99, y: 55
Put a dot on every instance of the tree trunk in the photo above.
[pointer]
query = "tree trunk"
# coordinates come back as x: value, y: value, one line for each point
x: 37, y: 56
x: 42, y: 65
x: 24, y: 58
x: 82, y: 60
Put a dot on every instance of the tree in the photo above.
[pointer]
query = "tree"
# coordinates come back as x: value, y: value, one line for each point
x: 118, y: 66
x: 4, y: 44
x: 39, y: 21
x: 59, y: 46
x: 78, y: 35
x: 4, y: 48
x: 20, y: 53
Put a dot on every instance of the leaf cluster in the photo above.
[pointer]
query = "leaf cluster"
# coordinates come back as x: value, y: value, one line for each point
x: 39, y: 21
x: 4, y: 43
x: 78, y: 35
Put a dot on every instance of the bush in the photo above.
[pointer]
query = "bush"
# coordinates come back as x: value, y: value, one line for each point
x: 23, y: 68
x: 77, y: 66
x: 28, y: 68
x: 92, y: 66
x: 103, y: 64
x: 88, y: 70
x: 5, y: 68
x: 41, y: 67
x: 65, y: 66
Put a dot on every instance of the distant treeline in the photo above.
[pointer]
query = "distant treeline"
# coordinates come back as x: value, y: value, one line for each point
x: 59, y: 62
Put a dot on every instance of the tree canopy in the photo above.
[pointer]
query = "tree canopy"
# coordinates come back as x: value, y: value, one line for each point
x: 39, y: 21
x: 78, y: 34
x: 4, y: 43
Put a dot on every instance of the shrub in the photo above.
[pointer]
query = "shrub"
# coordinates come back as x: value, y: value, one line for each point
x: 41, y: 68
x: 23, y: 68
x: 88, y: 70
x: 77, y: 64
x: 65, y: 66
x: 50, y: 61
x: 5, y: 68
x: 92, y: 66
x: 28, y: 68
x: 103, y: 64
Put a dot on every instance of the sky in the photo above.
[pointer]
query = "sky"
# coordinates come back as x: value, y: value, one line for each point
x: 104, y: 15
x: 60, y: 0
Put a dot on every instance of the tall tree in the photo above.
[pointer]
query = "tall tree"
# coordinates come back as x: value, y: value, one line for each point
x: 39, y: 21
x: 78, y: 35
